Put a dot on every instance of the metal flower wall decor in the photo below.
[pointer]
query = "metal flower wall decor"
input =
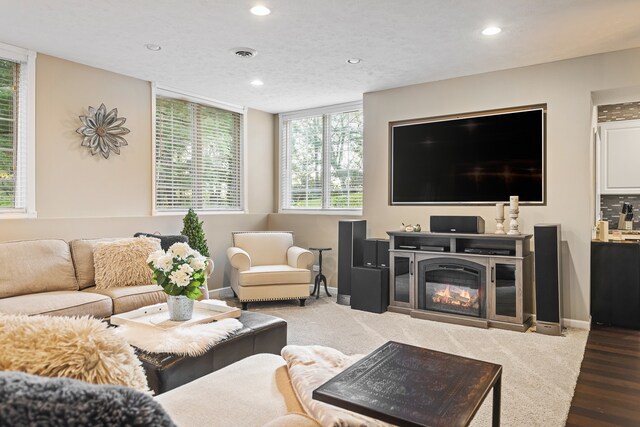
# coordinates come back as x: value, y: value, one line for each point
x: 102, y: 132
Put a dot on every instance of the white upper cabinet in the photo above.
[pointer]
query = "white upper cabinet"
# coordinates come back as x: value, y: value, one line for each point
x: 619, y: 157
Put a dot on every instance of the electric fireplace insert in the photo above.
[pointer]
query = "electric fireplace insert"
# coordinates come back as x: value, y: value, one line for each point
x: 451, y: 285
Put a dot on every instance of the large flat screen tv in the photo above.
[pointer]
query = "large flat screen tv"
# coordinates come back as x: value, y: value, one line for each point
x: 478, y: 158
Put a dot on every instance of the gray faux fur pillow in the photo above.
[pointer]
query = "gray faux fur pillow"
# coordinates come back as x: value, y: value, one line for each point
x: 29, y: 400
x: 124, y: 262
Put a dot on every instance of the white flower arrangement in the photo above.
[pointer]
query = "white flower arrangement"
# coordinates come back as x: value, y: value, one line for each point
x: 180, y: 270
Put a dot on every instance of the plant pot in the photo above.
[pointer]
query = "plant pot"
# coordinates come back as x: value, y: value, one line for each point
x: 180, y: 307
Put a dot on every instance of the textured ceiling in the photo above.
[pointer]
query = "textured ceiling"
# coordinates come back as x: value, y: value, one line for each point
x: 303, y: 45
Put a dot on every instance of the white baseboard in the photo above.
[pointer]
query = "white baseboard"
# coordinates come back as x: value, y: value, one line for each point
x: 573, y: 323
x: 332, y: 290
x: 578, y: 324
x: 227, y: 292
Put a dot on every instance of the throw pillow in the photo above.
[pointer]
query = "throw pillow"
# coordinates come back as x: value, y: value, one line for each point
x: 82, y: 348
x: 29, y: 400
x: 124, y: 262
x: 167, y: 240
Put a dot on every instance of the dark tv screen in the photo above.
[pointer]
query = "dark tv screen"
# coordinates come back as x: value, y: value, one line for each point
x: 478, y: 159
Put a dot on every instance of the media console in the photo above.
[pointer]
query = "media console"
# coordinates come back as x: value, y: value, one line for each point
x: 472, y: 279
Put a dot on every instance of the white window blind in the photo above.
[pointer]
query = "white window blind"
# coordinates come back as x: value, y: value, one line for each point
x: 198, y: 157
x: 13, y: 159
x: 321, y: 159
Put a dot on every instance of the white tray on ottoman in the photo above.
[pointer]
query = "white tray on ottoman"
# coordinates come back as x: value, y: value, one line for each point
x: 157, y: 315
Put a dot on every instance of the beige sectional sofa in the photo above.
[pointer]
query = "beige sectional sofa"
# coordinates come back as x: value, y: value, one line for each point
x: 57, y: 278
x: 258, y: 388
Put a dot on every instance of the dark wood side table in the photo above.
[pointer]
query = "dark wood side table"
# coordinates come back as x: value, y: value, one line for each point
x: 320, y: 277
x: 413, y: 386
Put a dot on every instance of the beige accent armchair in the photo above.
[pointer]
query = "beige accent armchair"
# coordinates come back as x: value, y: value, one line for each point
x: 267, y: 266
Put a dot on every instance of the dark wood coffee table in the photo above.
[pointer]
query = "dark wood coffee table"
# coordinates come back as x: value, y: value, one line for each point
x: 413, y: 386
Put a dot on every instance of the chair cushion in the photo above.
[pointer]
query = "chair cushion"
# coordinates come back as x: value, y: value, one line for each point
x: 124, y: 262
x: 58, y: 303
x: 33, y: 266
x: 131, y: 297
x: 264, y: 248
x: 274, y: 274
x: 82, y: 254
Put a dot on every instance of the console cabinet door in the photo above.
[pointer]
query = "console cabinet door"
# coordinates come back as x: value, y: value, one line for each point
x: 505, y: 290
x: 402, y: 279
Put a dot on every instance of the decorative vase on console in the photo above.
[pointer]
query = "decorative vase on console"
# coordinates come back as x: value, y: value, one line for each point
x: 499, y: 218
x: 180, y: 271
x: 513, y: 214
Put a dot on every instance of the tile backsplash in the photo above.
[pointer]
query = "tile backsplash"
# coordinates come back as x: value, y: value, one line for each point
x: 611, y: 206
x: 617, y: 112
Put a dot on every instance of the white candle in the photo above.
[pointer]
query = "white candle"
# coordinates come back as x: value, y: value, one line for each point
x: 513, y: 203
x: 499, y: 210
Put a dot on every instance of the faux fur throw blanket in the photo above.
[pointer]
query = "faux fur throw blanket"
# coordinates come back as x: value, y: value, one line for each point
x: 29, y: 400
x: 189, y: 340
x: 310, y: 367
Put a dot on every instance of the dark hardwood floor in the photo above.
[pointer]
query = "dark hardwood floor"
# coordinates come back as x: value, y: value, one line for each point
x: 608, y: 389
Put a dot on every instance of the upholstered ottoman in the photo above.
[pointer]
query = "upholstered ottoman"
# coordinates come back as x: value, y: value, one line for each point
x: 260, y: 333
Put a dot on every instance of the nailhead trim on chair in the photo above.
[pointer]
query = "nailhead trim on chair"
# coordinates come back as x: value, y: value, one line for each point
x: 274, y: 299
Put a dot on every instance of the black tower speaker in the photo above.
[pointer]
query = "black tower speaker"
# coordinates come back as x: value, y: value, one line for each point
x: 548, y: 269
x: 383, y: 253
x: 351, y: 235
x: 369, y: 253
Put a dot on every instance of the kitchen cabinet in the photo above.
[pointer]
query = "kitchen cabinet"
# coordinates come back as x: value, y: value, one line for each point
x: 618, y: 151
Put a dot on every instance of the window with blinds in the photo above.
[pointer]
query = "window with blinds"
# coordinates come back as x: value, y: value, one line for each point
x: 198, y: 160
x: 12, y: 150
x: 321, y: 159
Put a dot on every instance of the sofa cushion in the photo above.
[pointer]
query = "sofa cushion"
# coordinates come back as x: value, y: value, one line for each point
x: 82, y: 253
x: 293, y: 419
x: 29, y: 400
x: 131, y: 297
x: 258, y: 387
x: 264, y: 248
x: 35, y: 266
x: 58, y: 303
x: 82, y: 348
x: 124, y: 262
x: 274, y: 274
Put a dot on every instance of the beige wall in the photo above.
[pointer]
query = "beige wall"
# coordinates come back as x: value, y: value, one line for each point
x: 314, y: 231
x: 70, y: 181
x: 79, y: 195
x: 566, y: 87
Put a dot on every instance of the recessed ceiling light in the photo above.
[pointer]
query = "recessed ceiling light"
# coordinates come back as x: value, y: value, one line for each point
x: 491, y: 31
x: 354, y: 61
x: 243, y: 52
x: 260, y: 10
x: 257, y: 82
x: 153, y: 47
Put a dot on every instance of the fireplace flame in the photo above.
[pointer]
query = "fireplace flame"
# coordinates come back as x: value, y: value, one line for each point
x: 453, y: 295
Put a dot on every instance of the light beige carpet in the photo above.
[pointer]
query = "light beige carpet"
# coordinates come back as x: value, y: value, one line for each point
x: 539, y: 372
